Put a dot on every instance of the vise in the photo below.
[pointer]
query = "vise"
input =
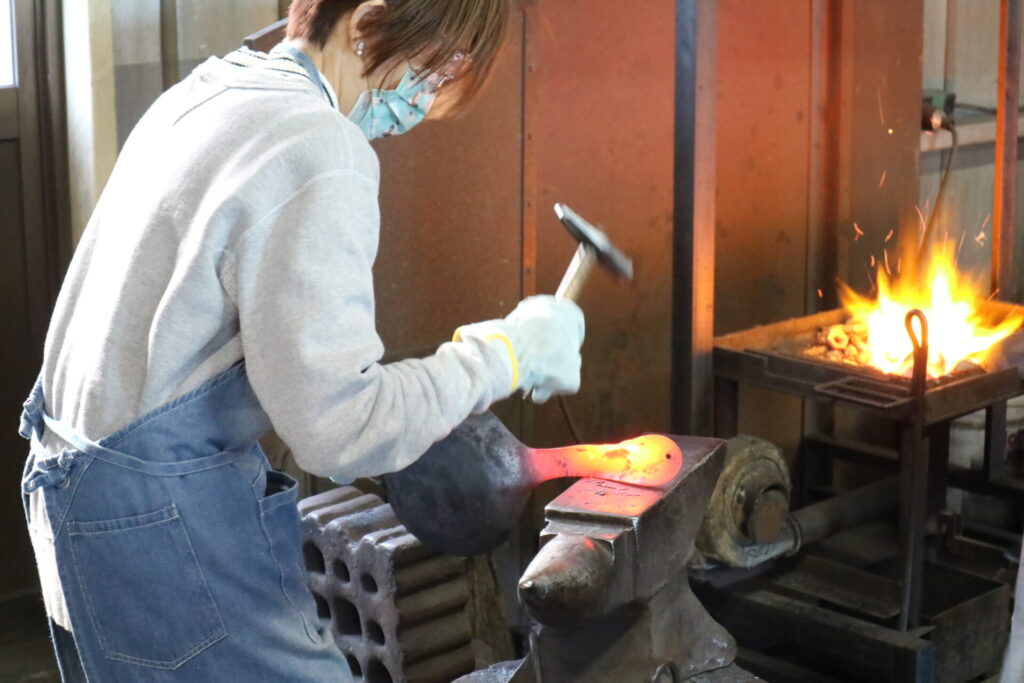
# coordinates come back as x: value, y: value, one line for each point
x: 609, y: 592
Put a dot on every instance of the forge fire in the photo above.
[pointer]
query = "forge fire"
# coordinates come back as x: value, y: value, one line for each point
x: 961, y: 332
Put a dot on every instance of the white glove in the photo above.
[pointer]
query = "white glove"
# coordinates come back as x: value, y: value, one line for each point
x: 542, y: 337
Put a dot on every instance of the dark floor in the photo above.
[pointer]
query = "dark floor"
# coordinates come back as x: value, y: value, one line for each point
x: 25, y: 651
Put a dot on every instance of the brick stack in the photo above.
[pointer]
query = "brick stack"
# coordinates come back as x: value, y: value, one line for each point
x: 398, y: 610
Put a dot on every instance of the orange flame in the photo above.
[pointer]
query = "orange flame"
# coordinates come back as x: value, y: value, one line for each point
x: 957, y: 330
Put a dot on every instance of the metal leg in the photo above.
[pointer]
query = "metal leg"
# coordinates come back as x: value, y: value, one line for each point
x: 1004, y: 204
x: 995, y: 441
x: 938, y: 456
x: 814, y: 465
x: 814, y: 469
x: 913, y: 516
x: 727, y: 408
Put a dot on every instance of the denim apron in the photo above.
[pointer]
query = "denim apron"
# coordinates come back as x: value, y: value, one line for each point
x: 178, y: 547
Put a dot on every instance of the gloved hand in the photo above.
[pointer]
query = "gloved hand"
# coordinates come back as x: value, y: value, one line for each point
x: 542, y: 336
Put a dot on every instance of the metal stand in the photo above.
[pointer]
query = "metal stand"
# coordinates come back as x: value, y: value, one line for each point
x: 869, y: 587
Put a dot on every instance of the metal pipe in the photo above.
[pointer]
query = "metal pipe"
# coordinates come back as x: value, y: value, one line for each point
x: 693, y: 296
x: 1004, y: 208
x: 846, y: 510
x: 813, y: 523
x: 169, y: 57
x: 1003, y: 219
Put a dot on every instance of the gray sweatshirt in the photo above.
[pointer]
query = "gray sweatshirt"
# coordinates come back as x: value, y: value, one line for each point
x: 241, y: 221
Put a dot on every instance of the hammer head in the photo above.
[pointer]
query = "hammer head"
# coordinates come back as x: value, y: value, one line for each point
x: 592, y: 238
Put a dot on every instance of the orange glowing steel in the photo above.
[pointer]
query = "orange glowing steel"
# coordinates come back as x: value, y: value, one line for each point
x: 651, y: 460
x: 957, y: 329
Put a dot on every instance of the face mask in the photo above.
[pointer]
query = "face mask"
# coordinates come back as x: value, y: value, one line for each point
x: 382, y: 113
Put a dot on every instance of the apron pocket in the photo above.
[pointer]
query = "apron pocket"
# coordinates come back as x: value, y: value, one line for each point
x: 144, y: 589
x: 281, y: 523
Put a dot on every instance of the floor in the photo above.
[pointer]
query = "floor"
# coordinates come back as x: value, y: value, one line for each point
x: 25, y: 652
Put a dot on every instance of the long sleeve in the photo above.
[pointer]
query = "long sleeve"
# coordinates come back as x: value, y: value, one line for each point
x: 302, y: 281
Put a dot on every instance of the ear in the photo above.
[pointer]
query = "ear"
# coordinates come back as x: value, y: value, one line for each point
x: 364, y: 9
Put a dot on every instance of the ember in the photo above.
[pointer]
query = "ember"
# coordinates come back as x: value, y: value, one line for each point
x: 847, y: 343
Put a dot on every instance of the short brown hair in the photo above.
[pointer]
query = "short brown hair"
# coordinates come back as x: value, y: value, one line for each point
x: 429, y: 32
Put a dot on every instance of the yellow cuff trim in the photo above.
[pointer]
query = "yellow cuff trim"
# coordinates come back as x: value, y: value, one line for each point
x: 511, y: 354
x: 457, y: 337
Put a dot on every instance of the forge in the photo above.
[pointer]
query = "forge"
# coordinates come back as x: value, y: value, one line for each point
x: 887, y: 595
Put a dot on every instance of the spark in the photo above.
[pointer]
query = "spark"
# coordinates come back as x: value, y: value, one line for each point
x: 890, y: 131
x: 881, y: 114
x: 899, y: 264
x: 872, y: 260
x: 889, y: 236
x: 887, y: 270
x: 956, y: 260
x: 882, y: 181
x: 860, y: 233
x: 992, y: 295
x: 820, y: 295
x: 980, y: 239
x: 921, y: 221
x: 985, y: 222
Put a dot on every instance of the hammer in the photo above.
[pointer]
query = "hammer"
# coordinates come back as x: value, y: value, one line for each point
x: 465, y: 495
x: 595, y: 247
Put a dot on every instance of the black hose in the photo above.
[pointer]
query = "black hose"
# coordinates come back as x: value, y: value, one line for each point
x: 564, y: 405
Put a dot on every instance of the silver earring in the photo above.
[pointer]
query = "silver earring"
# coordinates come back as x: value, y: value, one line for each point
x: 360, y: 48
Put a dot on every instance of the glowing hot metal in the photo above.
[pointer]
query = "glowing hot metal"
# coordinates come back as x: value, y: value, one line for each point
x: 465, y: 495
x: 651, y: 460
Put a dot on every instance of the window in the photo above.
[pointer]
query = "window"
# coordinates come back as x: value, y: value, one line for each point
x: 6, y: 45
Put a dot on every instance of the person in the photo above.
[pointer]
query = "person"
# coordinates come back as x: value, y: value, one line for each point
x: 222, y: 287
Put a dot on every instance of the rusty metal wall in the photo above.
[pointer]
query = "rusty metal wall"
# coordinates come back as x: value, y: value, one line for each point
x: 451, y: 241
x: 450, y: 223
x: 580, y: 110
x: 599, y: 122
x: 764, y: 83
x: 880, y: 98
x: 818, y: 128
x: 763, y: 127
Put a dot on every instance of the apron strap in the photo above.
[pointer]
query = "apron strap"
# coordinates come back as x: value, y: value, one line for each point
x: 218, y: 422
x: 32, y: 411
x: 64, y: 431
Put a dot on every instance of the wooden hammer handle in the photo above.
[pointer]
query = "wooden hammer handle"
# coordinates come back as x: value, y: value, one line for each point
x: 576, y: 274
